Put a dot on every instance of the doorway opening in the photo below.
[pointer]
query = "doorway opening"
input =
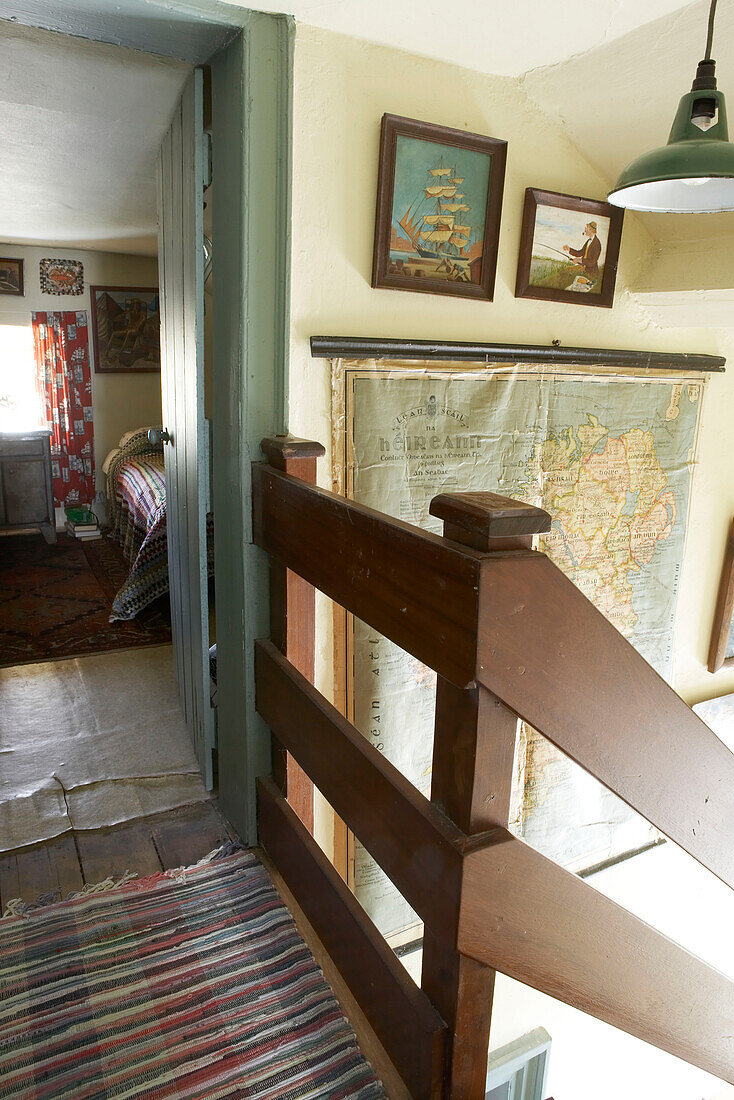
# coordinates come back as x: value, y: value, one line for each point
x: 96, y: 727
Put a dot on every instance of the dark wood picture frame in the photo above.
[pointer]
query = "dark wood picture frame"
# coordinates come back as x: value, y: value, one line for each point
x: 393, y: 127
x: 593, y: 207
x: 17, y: 263
x: 724, y: 611
x: 99, y: 361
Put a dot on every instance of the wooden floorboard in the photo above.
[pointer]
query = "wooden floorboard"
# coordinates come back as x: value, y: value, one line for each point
x: 114, y: 851
x: 36, y: 873
x: 183, y: 839
x: 9, y: 881
x: 177, y: 838
x: 66, y: 864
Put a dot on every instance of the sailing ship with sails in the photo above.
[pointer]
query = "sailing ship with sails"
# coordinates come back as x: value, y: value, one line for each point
x: 436, y: 224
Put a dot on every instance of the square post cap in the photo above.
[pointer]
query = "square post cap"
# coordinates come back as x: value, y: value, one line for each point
x: 488, y: 521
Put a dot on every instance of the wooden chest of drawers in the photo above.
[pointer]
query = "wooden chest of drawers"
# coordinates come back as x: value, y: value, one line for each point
x: 26, y: 494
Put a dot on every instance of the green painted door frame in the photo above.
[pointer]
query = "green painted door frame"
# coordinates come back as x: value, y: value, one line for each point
x: 251, y: 59
x: 252, y: 82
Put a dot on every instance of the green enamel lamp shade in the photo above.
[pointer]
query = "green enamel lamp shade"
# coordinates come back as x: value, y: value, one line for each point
x: 694, y: 172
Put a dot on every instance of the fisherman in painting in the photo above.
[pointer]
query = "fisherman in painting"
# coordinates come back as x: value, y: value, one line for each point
x: 587, y: 257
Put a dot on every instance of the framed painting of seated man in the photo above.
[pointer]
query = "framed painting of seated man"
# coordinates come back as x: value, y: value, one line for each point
x: 569, y: 249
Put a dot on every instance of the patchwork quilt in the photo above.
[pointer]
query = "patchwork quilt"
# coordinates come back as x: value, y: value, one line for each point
x: 136, y: 490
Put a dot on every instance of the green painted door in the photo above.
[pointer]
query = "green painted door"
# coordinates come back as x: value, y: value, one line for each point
x: 181, y: 168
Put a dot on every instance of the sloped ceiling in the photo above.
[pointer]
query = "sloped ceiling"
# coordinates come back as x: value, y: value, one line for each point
x: 492, y: 36
x: 618, y: 100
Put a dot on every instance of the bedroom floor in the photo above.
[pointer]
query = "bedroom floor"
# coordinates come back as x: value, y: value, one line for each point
x: 55, y: 601
x: 91, y: 742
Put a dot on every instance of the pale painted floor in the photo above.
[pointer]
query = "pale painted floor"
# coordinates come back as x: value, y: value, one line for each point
x: 90, y: 742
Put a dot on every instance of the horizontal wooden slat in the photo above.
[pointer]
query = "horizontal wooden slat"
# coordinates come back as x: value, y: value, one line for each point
x: 530, y: 919
x: 411, y: 585
x: 407, y: 1025
x: 414, y: 843
x: 556, y: 661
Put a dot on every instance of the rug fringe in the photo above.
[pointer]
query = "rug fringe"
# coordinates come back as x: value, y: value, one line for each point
x: 230, y: 848
x: 16, y: 907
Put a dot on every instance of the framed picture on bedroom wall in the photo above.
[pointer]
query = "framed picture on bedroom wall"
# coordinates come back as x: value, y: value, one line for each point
x: 11, y: 277
x: 126, y: 329
x: 569, y: 249
x: 439, y: 199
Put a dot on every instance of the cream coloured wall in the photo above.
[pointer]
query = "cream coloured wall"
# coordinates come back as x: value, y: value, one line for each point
x: 120, y: 401
x: 342, y: 88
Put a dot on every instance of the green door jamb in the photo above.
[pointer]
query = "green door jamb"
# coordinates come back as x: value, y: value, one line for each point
x: 252, y: 90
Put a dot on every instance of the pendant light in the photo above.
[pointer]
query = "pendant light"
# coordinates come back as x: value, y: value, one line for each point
x: 694, y: 172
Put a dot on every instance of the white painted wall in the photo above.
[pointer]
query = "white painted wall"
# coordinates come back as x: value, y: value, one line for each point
x: 342, y: 88
x: 120, y: 401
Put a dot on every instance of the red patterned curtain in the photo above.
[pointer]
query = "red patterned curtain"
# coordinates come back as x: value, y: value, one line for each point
x: 65, y: 385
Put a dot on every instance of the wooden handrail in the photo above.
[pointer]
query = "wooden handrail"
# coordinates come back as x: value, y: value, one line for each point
x: 413, y: 586
x: 530, y: 919
x: 555, y: 660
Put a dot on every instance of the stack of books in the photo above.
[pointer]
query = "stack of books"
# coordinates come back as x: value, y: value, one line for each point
x: 85, y: 529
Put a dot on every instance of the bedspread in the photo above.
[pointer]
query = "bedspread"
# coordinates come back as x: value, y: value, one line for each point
x: 137, y: 494
x: 140, y: 528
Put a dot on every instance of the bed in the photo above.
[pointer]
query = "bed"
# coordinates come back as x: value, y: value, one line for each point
x: 136, y: 494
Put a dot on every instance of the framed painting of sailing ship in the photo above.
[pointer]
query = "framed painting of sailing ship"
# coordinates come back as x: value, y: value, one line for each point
x: 569, y: 249
x: 439, y: 198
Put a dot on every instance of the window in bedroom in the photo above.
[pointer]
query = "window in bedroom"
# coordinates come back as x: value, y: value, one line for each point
x: 20, y: 405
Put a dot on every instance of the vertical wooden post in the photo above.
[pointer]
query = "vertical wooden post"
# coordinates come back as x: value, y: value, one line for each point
x: 293, y: 619
x: 473, y: 755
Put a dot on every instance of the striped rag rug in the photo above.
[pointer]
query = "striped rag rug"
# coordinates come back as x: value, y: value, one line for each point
x: 191, y: 983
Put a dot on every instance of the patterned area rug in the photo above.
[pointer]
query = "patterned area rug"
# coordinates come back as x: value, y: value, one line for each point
x: 55, y: 601
x: 188, y: 984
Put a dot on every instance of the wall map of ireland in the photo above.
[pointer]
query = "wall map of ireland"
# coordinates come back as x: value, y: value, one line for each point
x: 610, y: 459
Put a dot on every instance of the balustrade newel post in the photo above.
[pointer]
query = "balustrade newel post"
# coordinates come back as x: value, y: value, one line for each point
x: 473, y: 757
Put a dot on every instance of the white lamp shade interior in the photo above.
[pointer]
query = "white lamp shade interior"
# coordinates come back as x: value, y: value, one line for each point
x: 698, y: 195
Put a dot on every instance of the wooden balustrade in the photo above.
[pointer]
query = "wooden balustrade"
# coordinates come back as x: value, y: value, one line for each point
x: 293, y: 618
x: 403, y: 1018
x: 509, y: 636
x: 411, y: 585
x: 415, y: 844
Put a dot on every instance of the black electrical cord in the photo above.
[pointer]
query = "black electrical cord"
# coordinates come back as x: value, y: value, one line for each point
x: 710, y: 32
